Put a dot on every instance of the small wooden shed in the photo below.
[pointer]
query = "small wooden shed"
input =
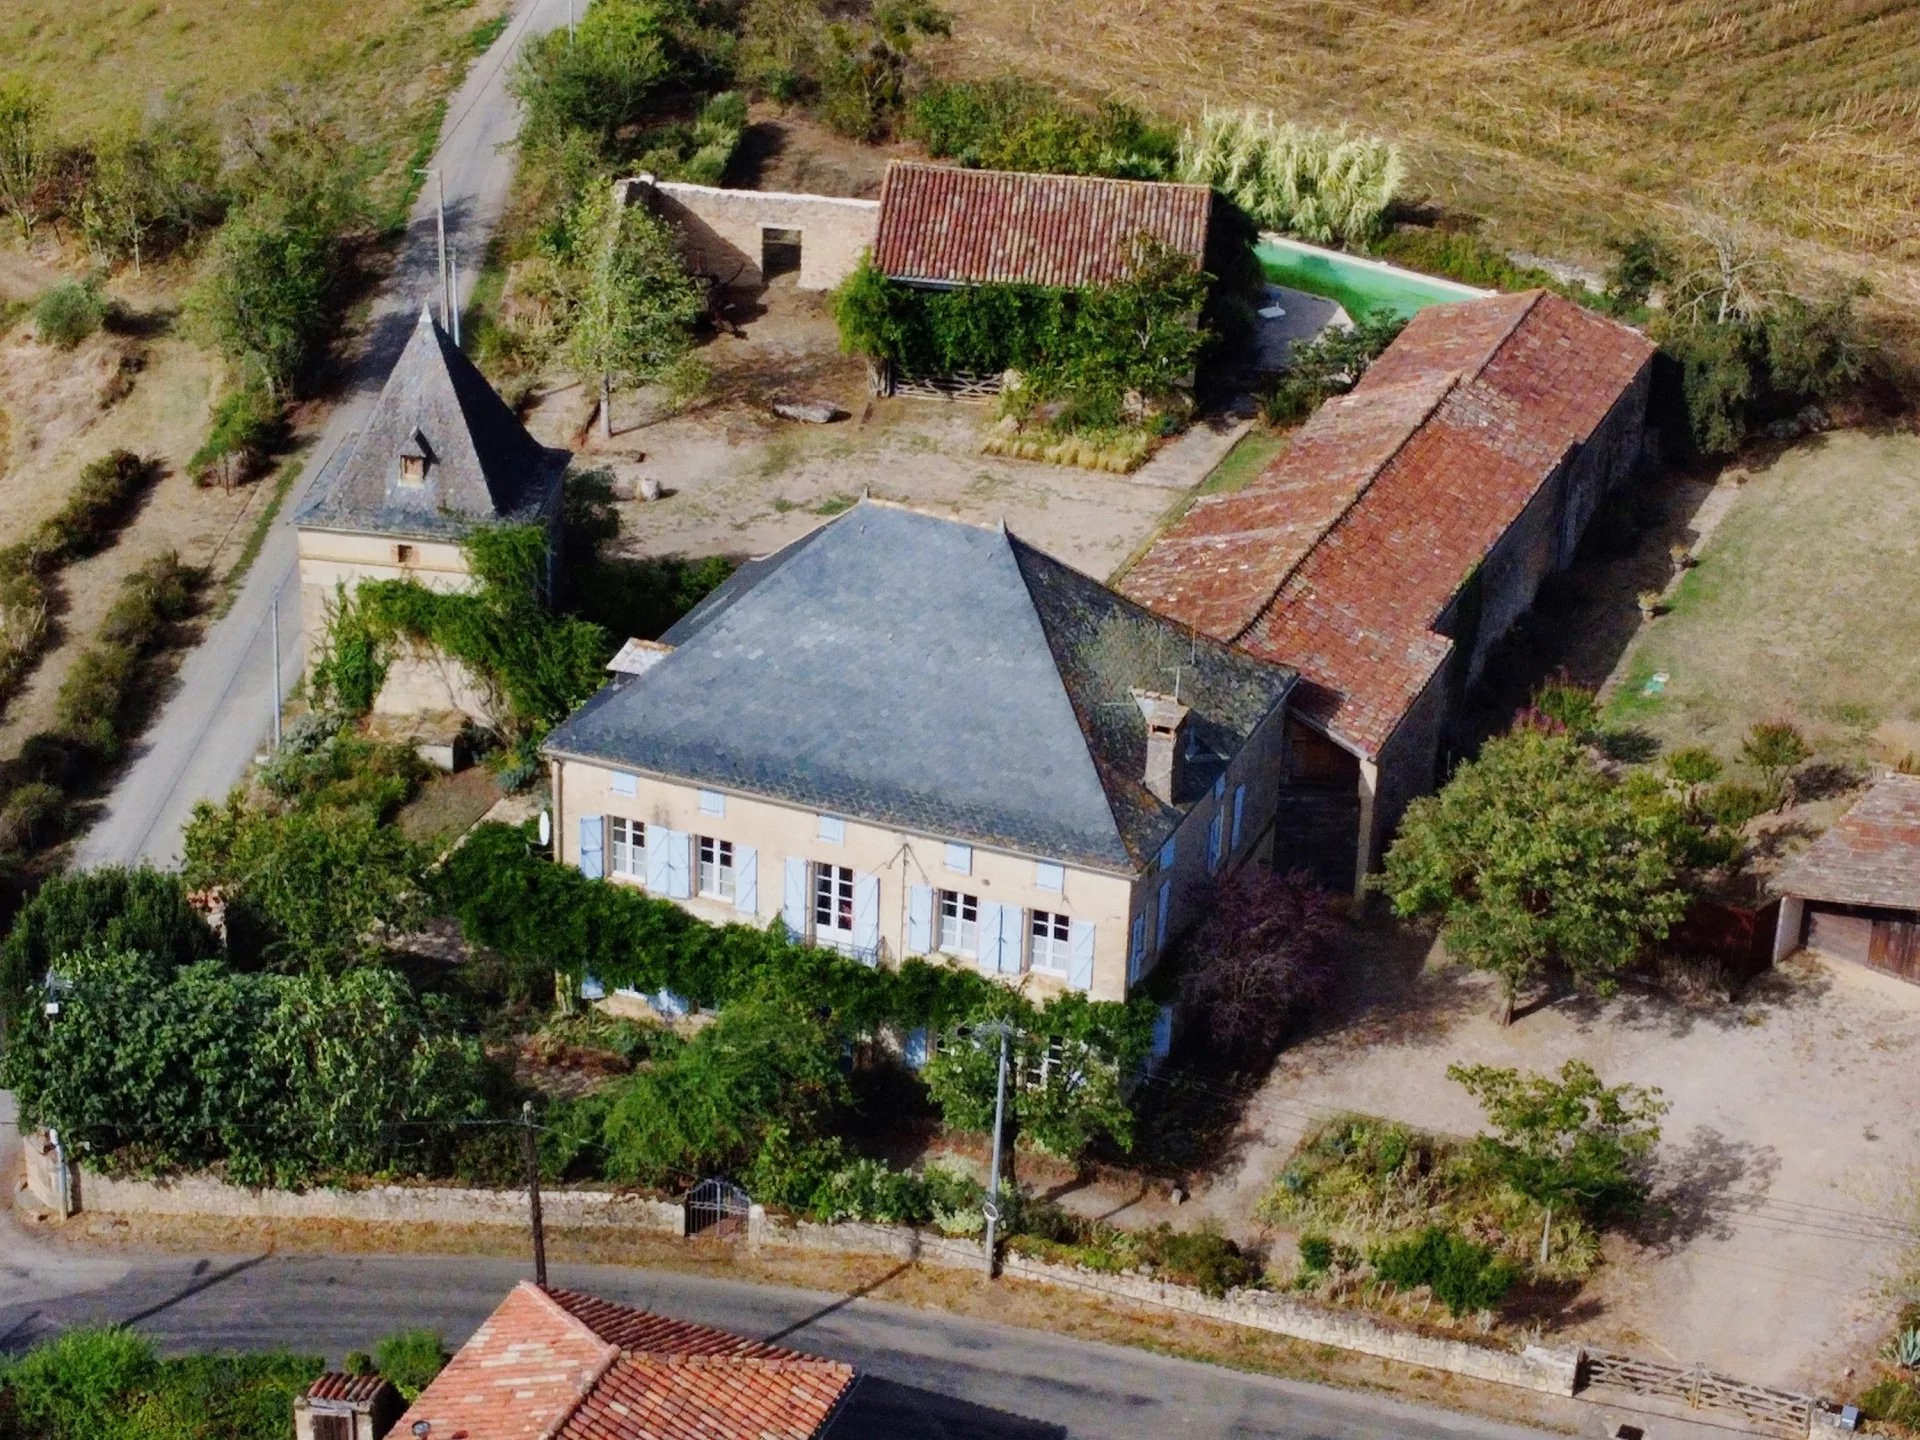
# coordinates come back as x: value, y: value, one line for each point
x: 1855, y: 894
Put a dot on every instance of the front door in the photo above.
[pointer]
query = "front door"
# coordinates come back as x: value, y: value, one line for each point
x: 833, y: 906
x: 1892, y: 947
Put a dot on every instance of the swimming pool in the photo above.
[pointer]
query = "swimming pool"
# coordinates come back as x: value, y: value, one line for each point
x: 1361, y: 286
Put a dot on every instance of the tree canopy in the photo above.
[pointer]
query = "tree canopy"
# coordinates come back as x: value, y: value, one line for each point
x: 1532, y: 854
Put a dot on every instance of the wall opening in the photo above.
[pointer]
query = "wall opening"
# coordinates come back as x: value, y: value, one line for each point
x: 779, y: 252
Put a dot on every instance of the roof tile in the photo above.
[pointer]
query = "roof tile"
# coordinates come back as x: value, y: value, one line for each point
x: 1870, y: 857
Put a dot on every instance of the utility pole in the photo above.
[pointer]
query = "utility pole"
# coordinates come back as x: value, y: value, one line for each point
x: 569, y: 22
x: 276, y: 671
x: 440, y: 222
x: 532, y: 1148
x: 990, y: 1207
x: 453, y: 266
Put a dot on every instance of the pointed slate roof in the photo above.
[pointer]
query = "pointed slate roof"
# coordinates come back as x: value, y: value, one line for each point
x: 480, y: 462
x: 940, y: 676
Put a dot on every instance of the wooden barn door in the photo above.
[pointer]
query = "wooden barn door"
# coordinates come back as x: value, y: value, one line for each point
x: 1893, y: 948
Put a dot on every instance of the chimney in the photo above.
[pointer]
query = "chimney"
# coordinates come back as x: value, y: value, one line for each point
x: 1166, y: 743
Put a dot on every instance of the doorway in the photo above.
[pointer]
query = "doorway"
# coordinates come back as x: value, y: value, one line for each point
x: 779, y: 252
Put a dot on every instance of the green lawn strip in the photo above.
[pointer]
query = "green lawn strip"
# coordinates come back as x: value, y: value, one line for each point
x: 1241, y: 465
x: 257, y: 537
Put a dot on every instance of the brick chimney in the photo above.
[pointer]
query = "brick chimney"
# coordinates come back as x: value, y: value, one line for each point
x: 1166, y: 743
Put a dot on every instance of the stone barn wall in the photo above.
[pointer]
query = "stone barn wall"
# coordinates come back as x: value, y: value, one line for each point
x: 722, y: 230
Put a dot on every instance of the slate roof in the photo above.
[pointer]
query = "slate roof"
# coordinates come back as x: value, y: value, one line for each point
x: 1870, y: 857
x: 558, y: 1365
x: 943, y: 225
x: 481, y: 464
x: 943, y: 677
x: 1342, y: 556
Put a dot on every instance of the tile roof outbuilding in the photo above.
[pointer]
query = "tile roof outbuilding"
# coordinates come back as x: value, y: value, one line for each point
x: 1871, y: 856
x: 941, y: 225
x: 1346, y: 552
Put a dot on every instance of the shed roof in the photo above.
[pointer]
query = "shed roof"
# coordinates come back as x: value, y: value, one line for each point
x: 948, y: 226
x: 480, y: 462
x: 1346, y: 552
x: 343, y: 1389
x: 559, y: 1365
x: 1871, y: 856
x: 944, y: 677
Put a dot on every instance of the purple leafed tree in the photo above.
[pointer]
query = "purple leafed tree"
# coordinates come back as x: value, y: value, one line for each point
x: 1264, y: 951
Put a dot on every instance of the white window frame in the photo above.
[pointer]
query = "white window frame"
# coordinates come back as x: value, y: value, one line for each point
x: 1049, y: 941
x: 836, y: 881
x: 628, y: 837
x: 712, y: 802
x: 962, y: 927
x: 715, y: 875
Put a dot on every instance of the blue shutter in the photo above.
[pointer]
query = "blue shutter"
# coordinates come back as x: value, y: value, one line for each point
x: 746, y: 880
x: 793, y: 902
x: 593, y: 848
x: 591, y: 988
x: 914, y: 1052
x: 1214, y: 828
x: 658, y: 857
x: 1012, y: 922
x: 919, y: 919
x: 677, y: 848
x: 1163, y: 1033
x: 1239, y: 807
x: 1166, y: 904
x: 1137, y: 952
x: 992, y: 937
x: 1080, y: 966
x: 866, y: 917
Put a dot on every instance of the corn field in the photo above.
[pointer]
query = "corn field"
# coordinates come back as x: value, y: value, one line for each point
x: 1320, y: 185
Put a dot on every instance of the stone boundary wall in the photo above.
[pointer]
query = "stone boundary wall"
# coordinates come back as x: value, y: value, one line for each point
x: 377, y: 1204
x: 721, y: 231
x: 1550, y: 1371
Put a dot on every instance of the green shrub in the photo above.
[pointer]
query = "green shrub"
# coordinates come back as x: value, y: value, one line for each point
x: 1892, y: 1401
x: 1463, y: 1276
x: 68, y: 313
x: 33, y: 817
x: 409, y: 1359
x: 1731, y: 804
x: 1012, y: 124
x: 248, y: 426
x: 1322, y: 185
x: 98, y: 506
x: 1316, y: 1254
x: 78, y: 1385
x: 1462, y: 255
x: 1203, y: 1258
x: 1330, y: 364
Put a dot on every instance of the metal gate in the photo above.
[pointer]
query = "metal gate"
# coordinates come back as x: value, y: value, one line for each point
x: 716, y: 1209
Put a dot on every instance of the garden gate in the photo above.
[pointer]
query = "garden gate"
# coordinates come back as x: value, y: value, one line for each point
x: 1701, y: 1389
x: 716, y: 1209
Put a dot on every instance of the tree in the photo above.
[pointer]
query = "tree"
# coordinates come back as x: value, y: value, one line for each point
x: 26, y: 150
x: 865, y: 70
x: 1774, y: 747
x: 638, y: 305
x: 1571, y: 1141
x: 151, y: 189
x: 1640, y: 263
x: 1262, y: 952
x: 1532, y: 854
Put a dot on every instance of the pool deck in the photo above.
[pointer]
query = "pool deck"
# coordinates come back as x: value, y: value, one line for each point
x: 1306, y: 318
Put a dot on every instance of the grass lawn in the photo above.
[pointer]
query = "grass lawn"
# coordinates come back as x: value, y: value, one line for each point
x: 378, y: 68
x: 1256, y: 450
x: 448, y: 806
x: 1801, y: 608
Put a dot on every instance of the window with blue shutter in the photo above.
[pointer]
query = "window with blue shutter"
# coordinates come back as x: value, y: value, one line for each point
x: 679, y: 855
x: 1239, y: 808
x: 1215, y: 827
x: 746, y: 880
x: 959, y: 858
x: 712, y: 802
x: 993, y: 936
x: 660, y: 861
x: 919, y: 919
x: 914, y: 1053
x: 1080, y: 964
x: 624, y: 783
x: 793, y: 898
x: 866, y: 918
x: 1047, y: 876
x: 1166, y: 907
x: 1137, y: 950
x: 1168, y: 853
x: 831, y: 829
x: 593, y: 851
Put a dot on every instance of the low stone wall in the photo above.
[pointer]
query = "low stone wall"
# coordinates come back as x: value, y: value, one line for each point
x: 378, y: 1204
x: 1551, y: 1371
x: 724, y: 231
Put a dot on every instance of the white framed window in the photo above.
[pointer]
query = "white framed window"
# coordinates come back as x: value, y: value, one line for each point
x: 1049, y: 941
x: 959, y: 923
x: 626, y: 847
x: 833, y: 904
x: 624, y: 783
x: 833, y: 829
x: 716, y: 873
x: 712, y: 802
x: 1048, y: 876
x: 959, y: 858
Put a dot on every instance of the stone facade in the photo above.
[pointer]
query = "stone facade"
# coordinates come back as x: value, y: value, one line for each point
x: 724, y: 233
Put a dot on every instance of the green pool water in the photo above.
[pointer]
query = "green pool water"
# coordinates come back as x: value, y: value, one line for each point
x: 1361, y: 288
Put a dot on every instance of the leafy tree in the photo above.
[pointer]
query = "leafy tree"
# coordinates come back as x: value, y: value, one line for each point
x: 26, y: 150
x: 1571, y: 1141
x: 1464, y: 1276
x: 867, y: 65
x: 1774, y: 747
x: 1692, y: 767
x: 151, y: 190
x: 409, y: 1359
x: 330, y: 887
x: 69, y: 312
x: 638, y: 305
x: 1532, y: 854
x: 626, y: 61
x: 1262, y: 952
x: 1640, y: 262
x: 141, y: 910
x: 1012, y: 124
x: 1330, y: 364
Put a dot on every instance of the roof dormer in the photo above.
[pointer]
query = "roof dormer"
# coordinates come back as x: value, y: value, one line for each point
x: 416, y: 457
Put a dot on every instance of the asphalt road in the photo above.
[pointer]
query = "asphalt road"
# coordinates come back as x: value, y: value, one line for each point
x: 222, y: 709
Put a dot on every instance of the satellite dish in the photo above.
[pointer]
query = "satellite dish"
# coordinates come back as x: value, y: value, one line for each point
x: 546, y: 827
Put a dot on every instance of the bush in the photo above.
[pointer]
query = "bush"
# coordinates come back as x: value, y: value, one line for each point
x: 97, y: 507
x: 1731, y: 804
x: 1012, y: 124
x: 90, y: 710
x: 409, y: 1359
x: 1462, y: 255
x: 248, y: 426
x: 76, y: 1386
x: 1463, y: 1276
x: 68, y: 313
x: 1203, y: 1258
x: 1316, y: 1254
x: 1892, y: 1401
x: 1322, y: 185
x: 1330, y: 364
x: 1260, y: 957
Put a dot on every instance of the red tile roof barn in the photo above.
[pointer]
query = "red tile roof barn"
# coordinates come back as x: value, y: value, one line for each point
x: 558, y: 1365
x: 1345, y: 552
x: 1870, y: 857
x: 944, y: 225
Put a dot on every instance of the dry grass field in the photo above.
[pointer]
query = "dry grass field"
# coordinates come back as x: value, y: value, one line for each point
x: 1561, y: 121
